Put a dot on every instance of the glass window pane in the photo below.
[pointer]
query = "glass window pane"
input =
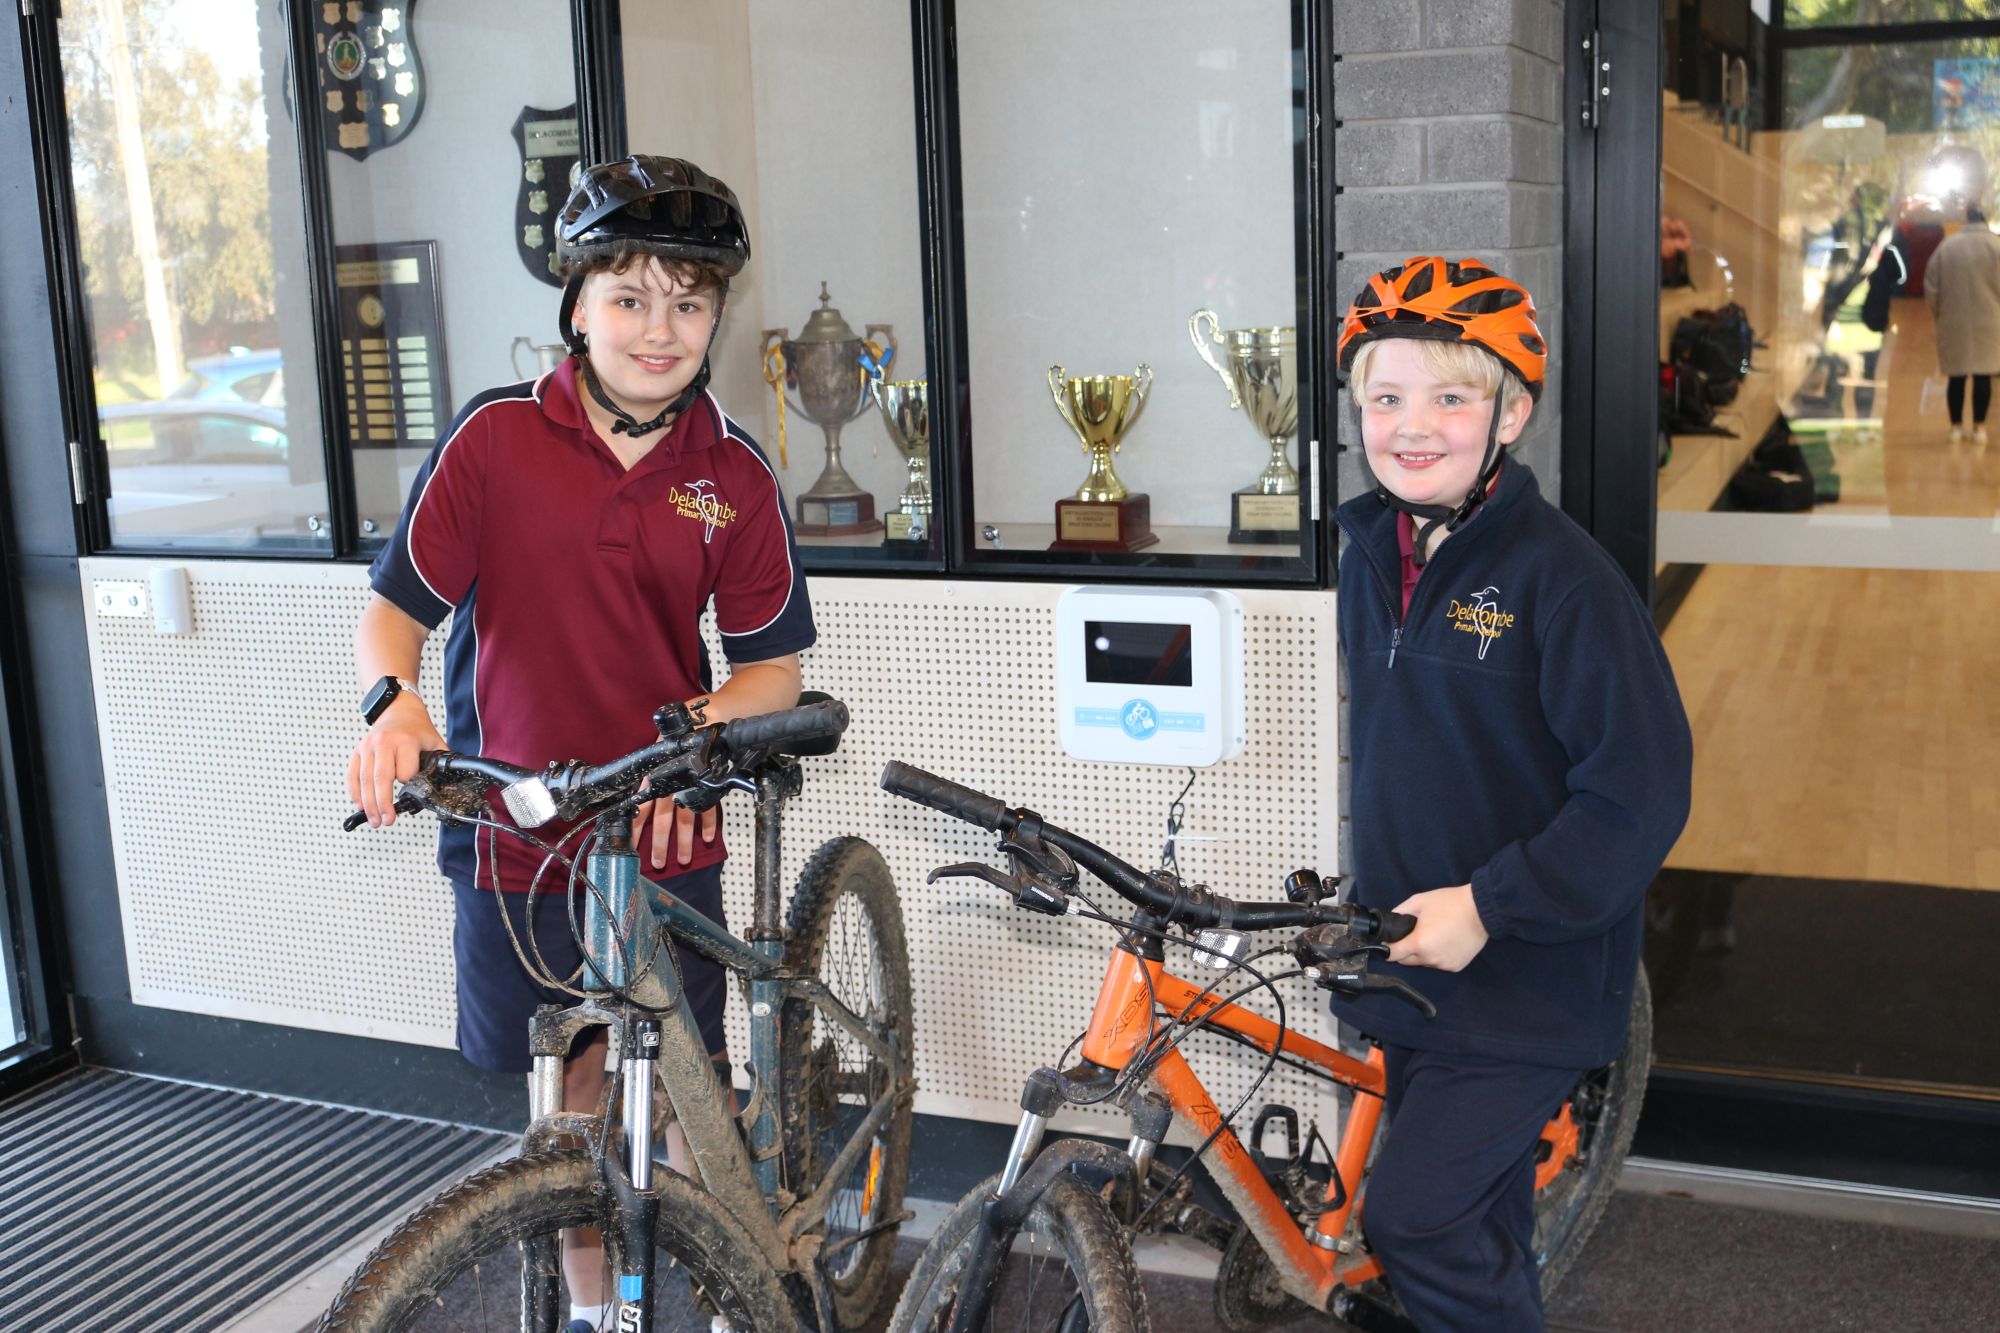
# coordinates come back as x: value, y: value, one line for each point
x: 1827, y: 507
x: 12, y: 1030
x: 806, y: 111
x: 451, y: 128
x: 180, y: 144
x: 1861, y: 13
x: 1129, y: 168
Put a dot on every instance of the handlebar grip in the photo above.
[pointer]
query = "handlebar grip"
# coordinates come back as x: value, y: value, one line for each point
x: 1395, y: 925
x: 913, y: 784
x: 812, y: 728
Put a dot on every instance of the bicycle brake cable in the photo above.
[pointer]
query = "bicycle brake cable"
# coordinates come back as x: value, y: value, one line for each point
x: 1224, y: 1123
x: 624, y: 957
x: 538, y: 971
x: 1176, y: 811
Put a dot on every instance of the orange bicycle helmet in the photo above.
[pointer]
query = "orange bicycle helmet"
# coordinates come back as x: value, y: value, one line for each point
x: 1431, y: 297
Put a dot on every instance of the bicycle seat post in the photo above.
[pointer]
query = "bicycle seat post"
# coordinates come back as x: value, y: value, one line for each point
x: 775, y: 784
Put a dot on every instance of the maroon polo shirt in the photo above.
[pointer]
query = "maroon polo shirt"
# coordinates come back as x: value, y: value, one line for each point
x: 579, y: 586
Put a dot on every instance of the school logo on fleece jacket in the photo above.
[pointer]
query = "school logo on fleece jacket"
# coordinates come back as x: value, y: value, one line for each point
x: 1480, y: 614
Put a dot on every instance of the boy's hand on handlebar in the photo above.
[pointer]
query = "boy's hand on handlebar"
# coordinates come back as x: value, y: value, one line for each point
x: 671, y: 825
x: 1449, y: 933
x: 389, y: 754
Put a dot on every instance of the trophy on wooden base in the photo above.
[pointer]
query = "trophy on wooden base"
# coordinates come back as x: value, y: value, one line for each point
x: 823, y: 366
x: 1260, y: 370
x: 906, y: 411
x: 1103, y: 515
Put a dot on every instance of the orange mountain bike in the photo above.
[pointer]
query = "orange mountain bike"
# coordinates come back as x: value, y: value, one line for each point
x: 1047, y: 1242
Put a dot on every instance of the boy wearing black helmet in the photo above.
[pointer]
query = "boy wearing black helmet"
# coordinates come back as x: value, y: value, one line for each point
x: 1521, y: 766
x: 575, y: 527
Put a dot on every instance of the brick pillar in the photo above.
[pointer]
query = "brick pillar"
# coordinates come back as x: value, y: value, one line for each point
x: 1449, y: 141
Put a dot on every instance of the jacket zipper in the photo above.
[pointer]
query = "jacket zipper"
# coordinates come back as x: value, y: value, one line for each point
x: 1399, y: 621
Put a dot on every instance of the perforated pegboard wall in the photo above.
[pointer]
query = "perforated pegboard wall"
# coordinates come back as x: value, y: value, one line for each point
x: 225, y: 761
x: 224, y: 754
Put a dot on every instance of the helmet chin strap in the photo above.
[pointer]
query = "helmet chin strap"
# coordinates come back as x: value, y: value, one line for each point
x: 1451, y: 516
x: 626, y: 423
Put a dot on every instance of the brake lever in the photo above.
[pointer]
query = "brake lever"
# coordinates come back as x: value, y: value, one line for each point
x: 1336, y: 961
x: 971, y: 870
x: 1026, y: 890
x: 420, y: 793
x: 1402, y: 989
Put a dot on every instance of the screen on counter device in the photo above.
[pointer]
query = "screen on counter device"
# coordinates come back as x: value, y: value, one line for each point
x: 1122, y: 652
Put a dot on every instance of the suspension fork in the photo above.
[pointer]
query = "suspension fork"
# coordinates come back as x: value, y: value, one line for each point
x: 637, y: 1203
x: 1027, y: 1175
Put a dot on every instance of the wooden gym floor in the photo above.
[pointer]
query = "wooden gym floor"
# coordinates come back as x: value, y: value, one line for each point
x: 1847, y: 721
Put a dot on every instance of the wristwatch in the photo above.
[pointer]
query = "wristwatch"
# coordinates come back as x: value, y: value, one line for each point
x: 381, y: 694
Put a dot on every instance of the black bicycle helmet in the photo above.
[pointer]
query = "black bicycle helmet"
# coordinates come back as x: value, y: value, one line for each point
x: 663, y: 206
x: 667, y: 205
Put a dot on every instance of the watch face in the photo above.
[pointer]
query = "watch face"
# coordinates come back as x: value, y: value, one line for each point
x: 378, y: 698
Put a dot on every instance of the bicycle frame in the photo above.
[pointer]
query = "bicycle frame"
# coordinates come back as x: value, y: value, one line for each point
x: 619, y: 930
x: 1310, y: 1264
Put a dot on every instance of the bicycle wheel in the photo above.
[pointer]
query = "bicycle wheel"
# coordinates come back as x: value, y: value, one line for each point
x: 846, y: 925
x: 1584, y: 1147
x: 458, y: 1263
x: 1070, y: 1269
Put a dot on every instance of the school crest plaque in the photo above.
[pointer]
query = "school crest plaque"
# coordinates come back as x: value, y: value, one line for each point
x: 371, y: 81
x: 549, y: 155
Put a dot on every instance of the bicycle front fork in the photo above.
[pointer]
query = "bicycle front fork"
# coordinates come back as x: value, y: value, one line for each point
x: 1048, y: 1089
x: 636, y: 1204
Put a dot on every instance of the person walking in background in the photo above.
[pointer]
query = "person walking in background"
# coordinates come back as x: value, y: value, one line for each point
x: 1962, y: 287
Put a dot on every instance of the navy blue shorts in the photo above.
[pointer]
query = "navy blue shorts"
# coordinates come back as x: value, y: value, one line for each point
x: 496, y: 998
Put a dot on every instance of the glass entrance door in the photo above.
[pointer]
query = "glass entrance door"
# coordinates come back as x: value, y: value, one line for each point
x: 1829, y: 545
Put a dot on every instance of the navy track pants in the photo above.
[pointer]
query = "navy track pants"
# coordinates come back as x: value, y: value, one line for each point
x: 1450, y: 1208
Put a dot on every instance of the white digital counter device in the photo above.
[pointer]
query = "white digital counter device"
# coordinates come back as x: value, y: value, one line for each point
x: 1150, y: 675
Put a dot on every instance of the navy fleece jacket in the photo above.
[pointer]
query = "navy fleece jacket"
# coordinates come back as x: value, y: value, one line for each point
x: 1520, y: 731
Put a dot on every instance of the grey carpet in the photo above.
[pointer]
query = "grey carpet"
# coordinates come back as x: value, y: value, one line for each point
x: 1660, y: 1264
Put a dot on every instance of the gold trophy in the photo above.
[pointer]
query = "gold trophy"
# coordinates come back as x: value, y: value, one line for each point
x: 1261, y: 374
x: 823, y: 367
x: 1103, y: 515
x: 906, y: 411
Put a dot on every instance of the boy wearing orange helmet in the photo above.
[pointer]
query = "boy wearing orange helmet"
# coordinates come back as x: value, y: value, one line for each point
x: 1521, y: 766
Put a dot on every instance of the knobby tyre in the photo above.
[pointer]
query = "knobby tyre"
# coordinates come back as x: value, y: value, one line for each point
x: 846, y: 928
x: 1070, y: 1269
x: 457, y: 1264
x: 1605, y: 1109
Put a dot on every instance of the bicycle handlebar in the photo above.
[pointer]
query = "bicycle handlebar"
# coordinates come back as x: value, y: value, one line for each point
x: 1165, y: 896
x: 676, y: 762
x: 801, y: 731
x: 963, y: 803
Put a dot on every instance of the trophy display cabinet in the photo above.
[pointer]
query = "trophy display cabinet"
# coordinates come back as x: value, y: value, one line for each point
x: 1016, y: 310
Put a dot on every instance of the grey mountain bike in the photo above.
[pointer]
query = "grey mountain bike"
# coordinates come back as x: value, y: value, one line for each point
x: 792, y: 1218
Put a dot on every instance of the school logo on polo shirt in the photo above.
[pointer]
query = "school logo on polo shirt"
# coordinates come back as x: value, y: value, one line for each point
x: 1480, y: 613
x: 700, y: 503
